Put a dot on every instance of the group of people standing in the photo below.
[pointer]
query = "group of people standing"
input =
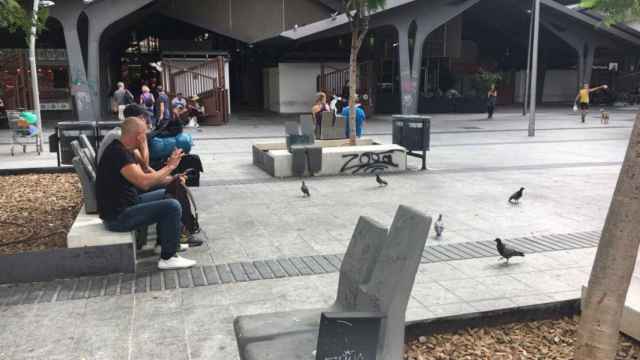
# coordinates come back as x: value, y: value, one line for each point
x: 320, y: 106
x: 162, y: 111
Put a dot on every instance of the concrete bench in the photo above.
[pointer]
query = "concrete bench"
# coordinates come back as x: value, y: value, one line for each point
x: 88, y: 229
x: 376, y: 276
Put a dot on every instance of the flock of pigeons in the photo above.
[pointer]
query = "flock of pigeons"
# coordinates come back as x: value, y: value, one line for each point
x: 506, y: 252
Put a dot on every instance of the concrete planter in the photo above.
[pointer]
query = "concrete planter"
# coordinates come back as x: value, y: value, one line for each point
x: 338, y: 158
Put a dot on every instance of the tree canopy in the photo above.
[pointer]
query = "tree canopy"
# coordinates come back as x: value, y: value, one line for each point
x: 615, y: 10
x: 14, y: 17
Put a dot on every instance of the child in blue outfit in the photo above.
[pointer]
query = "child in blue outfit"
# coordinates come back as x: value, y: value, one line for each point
x: 360, y: 117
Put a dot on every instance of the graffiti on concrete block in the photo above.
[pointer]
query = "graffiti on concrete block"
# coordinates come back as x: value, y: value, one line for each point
x: 369, y: 162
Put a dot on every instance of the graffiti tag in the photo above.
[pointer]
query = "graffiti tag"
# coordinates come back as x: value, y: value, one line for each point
x: 369, y: 162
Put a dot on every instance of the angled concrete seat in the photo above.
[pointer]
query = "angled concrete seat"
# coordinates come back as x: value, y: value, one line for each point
x: 364, y: 247
x: 376, y: 276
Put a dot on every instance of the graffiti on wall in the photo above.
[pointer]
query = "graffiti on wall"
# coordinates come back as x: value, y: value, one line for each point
x: 369, y: 162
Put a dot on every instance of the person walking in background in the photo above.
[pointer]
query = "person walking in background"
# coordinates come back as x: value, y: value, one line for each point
x: 360, y: 118
x: 164, y: 113
x: 319, y: 107
x: 148, y: 101
x: 121, y: 98
x: 583, y: 98
x: 492, y: 97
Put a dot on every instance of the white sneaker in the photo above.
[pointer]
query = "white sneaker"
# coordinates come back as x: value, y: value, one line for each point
x: 175, y: 262
x: 158, y: 249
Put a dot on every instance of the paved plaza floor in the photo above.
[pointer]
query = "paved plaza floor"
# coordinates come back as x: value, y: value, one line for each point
x: 569, y: 171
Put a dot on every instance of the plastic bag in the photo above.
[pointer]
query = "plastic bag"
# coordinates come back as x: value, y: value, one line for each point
x: 575, y: 108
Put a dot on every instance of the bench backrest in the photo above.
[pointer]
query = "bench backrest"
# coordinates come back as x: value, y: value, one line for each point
x: 378, y: 273
x: 84, y: 162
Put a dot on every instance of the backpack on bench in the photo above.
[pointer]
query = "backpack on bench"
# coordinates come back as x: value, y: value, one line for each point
x: 178, y: 191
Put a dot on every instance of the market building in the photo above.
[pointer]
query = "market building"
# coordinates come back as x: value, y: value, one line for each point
x: 273, y: 55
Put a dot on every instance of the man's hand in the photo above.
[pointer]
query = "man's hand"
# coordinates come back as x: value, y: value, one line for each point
x: 174, y: 159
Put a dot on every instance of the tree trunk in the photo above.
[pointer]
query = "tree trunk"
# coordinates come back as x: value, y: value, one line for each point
x: 614, y: 263
x: 353, y: 83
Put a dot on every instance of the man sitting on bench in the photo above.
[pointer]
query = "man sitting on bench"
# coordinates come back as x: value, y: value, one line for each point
x: 120, y: 206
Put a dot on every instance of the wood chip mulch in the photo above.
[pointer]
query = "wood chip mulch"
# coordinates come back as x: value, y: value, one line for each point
x: 540, y: 340
x: 36, y: 211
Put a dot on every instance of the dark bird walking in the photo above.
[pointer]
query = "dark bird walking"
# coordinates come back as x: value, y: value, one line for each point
x: 505, y: 251
x: 380, y: 181
x: 305, y: 190
x: 439, y: 226
x: 515, y: 198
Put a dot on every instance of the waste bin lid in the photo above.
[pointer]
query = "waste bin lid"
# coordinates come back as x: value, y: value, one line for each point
x: 76, y: 125
x: 411, y: 117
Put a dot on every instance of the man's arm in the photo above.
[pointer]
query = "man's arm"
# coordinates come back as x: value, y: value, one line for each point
x: 145, y: 181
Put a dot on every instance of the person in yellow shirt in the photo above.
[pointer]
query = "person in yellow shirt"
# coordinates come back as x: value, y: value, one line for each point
x: 583, y: 98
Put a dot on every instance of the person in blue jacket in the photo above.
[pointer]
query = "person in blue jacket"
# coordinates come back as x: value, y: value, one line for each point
x: 360, y: 117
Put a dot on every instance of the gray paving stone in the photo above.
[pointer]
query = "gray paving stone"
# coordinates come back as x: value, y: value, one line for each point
x: 96, y: 287
x: 488, y: 246
x: 574, y: 242
x: 142, y: 283
x: 170, y: 279
x: 251, y: 271
x: 113, y: 284
x: 211, y: 275
x: 333, y: 260
x: 18, y: 294
x: 156, y: 281
x: 288, y: 267
x: 537, y: 247
x: 225, y: 273
x: 127, y: 283
x: 238, y: 272
x: 326, y: 265
x: 445, y: 252
x: 275, y: 267
x: 301, y: 266
x: 34, y: 294
x: 435, y: 254
x: 582, y: 240
x: 524, y: 246
x: 198, y: 276
x: 5, y: 292
x: 313, y: 265
x: 50, y: 292
x: 546, y: 245
x: 66, y: 290
x: 81, y: 289
x: 557, y: 241
x: 428, y: 257
x: 263, y: 269
x: 463, y: 253
x: 184, y: 278
x: 476, y: 249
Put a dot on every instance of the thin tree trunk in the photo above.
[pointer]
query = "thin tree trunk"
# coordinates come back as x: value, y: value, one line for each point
x: 353, y: 83
x: 614, y: 263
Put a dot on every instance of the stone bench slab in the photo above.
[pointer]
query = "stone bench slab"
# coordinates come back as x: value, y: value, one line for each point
x: 88, y: 230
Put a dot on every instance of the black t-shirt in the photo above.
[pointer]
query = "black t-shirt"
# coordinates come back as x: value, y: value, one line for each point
x: 113, y: 192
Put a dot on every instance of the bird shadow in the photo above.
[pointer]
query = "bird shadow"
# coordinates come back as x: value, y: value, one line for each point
x: 503, y: 265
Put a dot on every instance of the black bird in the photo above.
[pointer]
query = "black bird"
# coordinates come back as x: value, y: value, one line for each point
x: 439, y: 226
x: 516, y: 196
x: 305, y: 190
x: 380, y: 181
x: 505, y: 251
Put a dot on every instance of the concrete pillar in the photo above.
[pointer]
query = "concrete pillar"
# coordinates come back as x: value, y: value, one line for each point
x: 428, y: 15
x: 101, y: 15
x: 68, y: 13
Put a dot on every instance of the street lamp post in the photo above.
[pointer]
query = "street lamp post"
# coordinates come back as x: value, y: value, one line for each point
x: 534, y: 69
x: 34, y: 69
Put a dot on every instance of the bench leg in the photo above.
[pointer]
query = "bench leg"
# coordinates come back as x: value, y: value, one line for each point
x: 141, y: 237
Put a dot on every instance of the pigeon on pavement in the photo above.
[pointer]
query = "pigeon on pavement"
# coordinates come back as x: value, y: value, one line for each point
x: 516, y: 196
x: 505, y: 251
x: 439, y: 226
x: 380, y: 181
x: 305, y: 190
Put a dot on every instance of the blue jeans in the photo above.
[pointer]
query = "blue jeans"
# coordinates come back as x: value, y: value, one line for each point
x: 153, y: 208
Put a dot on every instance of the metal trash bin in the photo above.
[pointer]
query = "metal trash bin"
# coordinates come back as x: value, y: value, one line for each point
x: 102, y: 128
x: 413, y: 132
x: 68, y: 131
